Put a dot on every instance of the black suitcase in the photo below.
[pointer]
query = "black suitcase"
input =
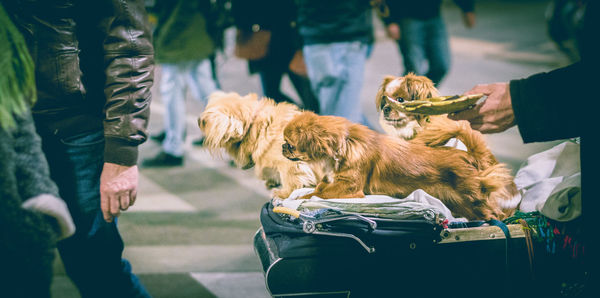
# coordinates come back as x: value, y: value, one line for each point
x: 345, y: 255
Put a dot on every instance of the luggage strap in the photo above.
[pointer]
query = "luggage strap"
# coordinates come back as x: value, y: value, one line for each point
x: 312, y: 225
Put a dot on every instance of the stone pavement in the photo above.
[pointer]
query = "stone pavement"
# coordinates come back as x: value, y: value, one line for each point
x: 190, y: 232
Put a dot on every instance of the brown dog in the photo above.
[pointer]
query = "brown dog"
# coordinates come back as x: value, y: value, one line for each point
x: 366, y: 162
x: 435, y: 130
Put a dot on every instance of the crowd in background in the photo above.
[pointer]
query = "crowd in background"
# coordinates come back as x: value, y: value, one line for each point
x: 83, y: 121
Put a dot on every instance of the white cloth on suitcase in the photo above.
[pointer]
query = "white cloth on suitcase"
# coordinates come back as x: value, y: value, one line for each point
x: 418, y: 203
x: 550, y: 182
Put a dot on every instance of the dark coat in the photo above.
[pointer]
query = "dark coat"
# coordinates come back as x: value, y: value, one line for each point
x: 27, y: 238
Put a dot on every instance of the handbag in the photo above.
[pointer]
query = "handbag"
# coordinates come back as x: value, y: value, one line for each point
x: 297, y: 64
x: 252, y: 45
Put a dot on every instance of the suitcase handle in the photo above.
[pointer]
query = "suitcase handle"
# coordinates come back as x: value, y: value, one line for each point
x: 311, y: 225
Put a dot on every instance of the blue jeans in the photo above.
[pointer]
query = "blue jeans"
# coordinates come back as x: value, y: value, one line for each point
x: 336, y: 73
x: 176, y: 79
x: 424, y: 47
x: 92, y: 257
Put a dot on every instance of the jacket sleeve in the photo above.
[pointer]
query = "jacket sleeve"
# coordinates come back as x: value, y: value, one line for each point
x: 129, y: 66
x: 562, y: 103
x: 544, y: 109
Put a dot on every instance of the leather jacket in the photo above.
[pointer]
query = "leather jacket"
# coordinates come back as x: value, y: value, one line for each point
x: 94, y: 69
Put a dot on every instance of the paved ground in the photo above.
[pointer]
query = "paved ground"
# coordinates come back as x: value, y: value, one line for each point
x: 190, y: 232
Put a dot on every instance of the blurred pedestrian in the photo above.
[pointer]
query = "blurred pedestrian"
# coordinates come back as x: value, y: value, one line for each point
x: 283, y: 45
x: 337, y: 35
x: 183, y: 48
x: 94, y: 69
x: 421, y: 35
x: 32, y: 216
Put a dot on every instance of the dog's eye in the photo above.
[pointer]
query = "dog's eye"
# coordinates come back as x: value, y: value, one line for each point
x: 288, y: 147
x: 399, y: 99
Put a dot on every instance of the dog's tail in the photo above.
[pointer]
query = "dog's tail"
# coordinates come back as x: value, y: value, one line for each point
x: 498, y: 186
x: 440, y: 130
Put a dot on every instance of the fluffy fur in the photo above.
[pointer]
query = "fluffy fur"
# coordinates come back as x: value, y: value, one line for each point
x: 366, y: 162
x: 437, y: 130
x: 250, y: 130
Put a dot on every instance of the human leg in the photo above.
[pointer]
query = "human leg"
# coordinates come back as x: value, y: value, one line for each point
x: 302, y: 86
x: 93, y: 256
x: 336, y: 73
x: 437, y: 50
x: 412, y: 46
x: 172, y: 91
x: 199, y: 79
x: 270, y: 79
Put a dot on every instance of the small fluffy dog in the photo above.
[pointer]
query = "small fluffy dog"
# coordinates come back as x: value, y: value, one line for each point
x: 367, y: 162
x: 400, y: 89
x: 435, y: 130
x: 250, y: 130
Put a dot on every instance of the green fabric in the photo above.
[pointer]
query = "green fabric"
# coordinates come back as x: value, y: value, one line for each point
x: 17, y: 77
x: 181, y: 34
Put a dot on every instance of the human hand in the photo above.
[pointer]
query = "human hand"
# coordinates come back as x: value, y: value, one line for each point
x: 469, y: 19
x: 118, y: 189
x: 393, y: 31
x: 495, y: 114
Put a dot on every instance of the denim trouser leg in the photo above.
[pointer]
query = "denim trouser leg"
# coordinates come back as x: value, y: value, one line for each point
x: 176, y: 79
x: 412, y: 46
x: 93, y: 256
x: 336, y: 73
x: 437, y: 50
x: 200, y: 80
x: 172, y: 92
x: 424, y: 47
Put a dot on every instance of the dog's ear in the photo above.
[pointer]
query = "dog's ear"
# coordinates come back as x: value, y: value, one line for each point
x: 223, y: 129
x: 380, y: 96
x: 419, y: 87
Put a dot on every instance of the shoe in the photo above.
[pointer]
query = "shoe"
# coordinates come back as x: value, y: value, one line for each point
x: 163, y: 159
x: 160, y: 137
x: 199, y: 142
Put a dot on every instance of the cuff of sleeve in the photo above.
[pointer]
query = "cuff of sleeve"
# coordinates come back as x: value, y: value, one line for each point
x: 119, y: 152
x: 54, y: 207
x: 518, y: 107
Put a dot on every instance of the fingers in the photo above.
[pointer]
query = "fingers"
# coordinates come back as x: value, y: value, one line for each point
x: 472, y: 115
x: 124, y: 201
x: 118, y: 189
x: 105, y: 206
x: 133, y: 196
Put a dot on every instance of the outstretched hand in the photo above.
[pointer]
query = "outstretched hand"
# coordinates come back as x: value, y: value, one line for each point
x: 494, y: 114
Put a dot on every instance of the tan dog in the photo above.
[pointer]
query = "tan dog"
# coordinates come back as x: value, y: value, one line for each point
x: 251, y: 132
x: 435, y: 130
x: 400, y: 89
x: 366, y: 162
